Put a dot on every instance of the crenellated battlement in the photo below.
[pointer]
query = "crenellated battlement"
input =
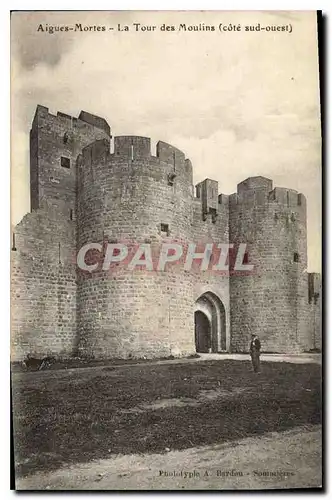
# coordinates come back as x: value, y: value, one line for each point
x: 95, y: 121
x: 134, y: 147
x: 287, y: 197
x: 170, y: 154
x: 84, y: 120
x: 259, y: 191
x: 253, y: 191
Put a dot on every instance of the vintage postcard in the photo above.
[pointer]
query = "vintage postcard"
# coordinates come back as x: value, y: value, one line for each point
x: 166, y: 250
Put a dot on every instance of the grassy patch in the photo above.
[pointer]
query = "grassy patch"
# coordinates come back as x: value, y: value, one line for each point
x: 62, y: 417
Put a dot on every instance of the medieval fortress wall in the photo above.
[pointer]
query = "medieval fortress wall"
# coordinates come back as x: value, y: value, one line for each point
x: 81, y: 192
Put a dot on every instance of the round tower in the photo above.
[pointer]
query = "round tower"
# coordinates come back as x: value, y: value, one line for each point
x: 271, y: 299
x: 132, y: 198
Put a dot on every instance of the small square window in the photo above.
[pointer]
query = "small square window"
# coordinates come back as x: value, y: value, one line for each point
x: 65, y: 162
x: 296, y: 257
x: 164, y: 228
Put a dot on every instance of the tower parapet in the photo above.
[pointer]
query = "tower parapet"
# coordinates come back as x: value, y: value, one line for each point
x: 95, y: 121
x: 170, y: 154
x: 287, y: 197
x: 254, y: 183
x: 132, y: 146
x: 253, y: 190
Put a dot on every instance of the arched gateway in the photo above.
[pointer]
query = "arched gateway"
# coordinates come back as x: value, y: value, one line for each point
x: 210, y: 324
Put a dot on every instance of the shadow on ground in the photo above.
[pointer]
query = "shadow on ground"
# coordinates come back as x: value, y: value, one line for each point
x: 62, y: 417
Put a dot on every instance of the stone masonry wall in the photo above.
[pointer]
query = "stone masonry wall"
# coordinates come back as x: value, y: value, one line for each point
x: 315, y: 310
x: 212, y: 230
x: 43, y: 288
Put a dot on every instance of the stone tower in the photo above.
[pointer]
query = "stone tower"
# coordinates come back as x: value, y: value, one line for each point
x: 55, y: 142
x: 134, y: 197
x: 87, y: 188
x: 43, y: 268
x: 272, y: 300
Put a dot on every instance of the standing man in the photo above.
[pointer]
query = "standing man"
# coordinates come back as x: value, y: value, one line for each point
x: 255, y: 351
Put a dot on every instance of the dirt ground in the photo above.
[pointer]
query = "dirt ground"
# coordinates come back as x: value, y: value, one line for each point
x: 195, y: 425
x: 291, y: 459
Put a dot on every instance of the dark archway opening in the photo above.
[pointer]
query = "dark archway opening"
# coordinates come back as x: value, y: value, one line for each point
x: 202, y: 332
x: 212, y: 319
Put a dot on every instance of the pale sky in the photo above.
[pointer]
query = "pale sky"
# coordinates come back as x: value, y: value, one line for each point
x: 238, y: 103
